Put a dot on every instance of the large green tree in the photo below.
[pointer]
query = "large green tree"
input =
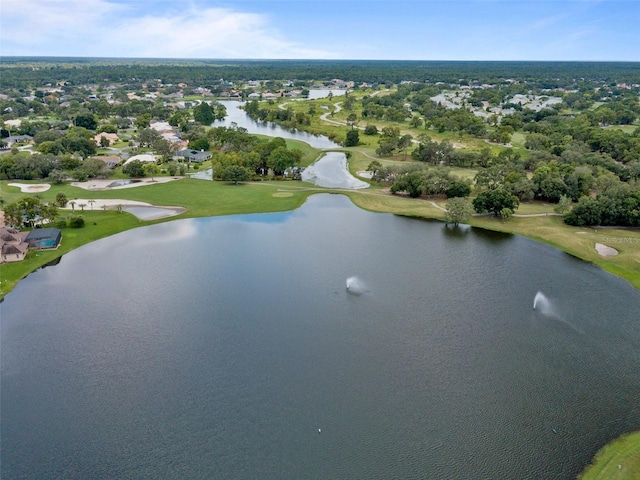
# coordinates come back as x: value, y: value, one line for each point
x: 459, y: 210
x: 495, y: 201
x: 235, y: 174
x: 353, y: 138
x: 280, y: 159
x: 203, y: 113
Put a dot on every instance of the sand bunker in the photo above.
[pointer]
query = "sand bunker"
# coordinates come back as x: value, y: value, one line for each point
x: 606, y: 251
x: 101, y: 203
x: 142, y: 210
x: 101, y: 184
x: 31, y: 187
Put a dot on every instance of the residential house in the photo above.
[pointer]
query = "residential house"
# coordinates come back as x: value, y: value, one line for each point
x: 111, y: 161
x: 192, y: 155
x: 111, y: 137
x: 13, y: 245
x: 169, y: 133
x: 11, y: 140
x: 143, y: 157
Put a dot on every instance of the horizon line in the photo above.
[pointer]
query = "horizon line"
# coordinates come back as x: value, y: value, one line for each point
x: 248, y: 59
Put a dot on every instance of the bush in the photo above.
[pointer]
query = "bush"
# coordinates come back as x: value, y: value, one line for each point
x: 61, y: 223
x: 353, y: 138
x: 76, y: 221
x: 370, y: 130
x: 458, y: 189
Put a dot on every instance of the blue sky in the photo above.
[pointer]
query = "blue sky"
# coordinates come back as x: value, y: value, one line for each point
x: 602, y: 30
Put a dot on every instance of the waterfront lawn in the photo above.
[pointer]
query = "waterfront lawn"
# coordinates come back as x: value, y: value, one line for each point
x: 576, y: 241
x: 206, y: 198
x: 618, y: 460
x: 200, y: 197
x: 98, y: 224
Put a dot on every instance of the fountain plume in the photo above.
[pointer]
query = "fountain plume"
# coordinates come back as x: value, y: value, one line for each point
x: 355, y: 286
x: 543, y: 305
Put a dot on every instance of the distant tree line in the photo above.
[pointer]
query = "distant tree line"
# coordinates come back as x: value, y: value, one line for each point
x: 19, y: 71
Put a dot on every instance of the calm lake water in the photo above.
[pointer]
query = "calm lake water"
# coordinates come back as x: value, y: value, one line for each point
x: 331, y: 171
x: 240, y: 118
x: 218, y: 347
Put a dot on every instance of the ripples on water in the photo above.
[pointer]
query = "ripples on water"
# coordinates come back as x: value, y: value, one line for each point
x: 216, y: 348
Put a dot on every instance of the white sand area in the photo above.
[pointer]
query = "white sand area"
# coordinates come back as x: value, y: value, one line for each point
x: 31, y: 187
x: 99, y: 203
x: 142, y: 210
x: 101, y: 184
x: 606, y: 251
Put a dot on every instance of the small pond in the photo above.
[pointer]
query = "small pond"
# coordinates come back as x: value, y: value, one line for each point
x: 122, y: 183
x: 331, y: 172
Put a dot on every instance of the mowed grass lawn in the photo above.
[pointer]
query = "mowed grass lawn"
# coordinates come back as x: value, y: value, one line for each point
x: 579, y: 242
x: 98, y: 224
x: 200, y: 198
x: 203, y: 198
x: 618, y: 460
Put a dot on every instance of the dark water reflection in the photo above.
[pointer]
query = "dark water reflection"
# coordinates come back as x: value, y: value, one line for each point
x: 238, y: 117
x: 216, y: 348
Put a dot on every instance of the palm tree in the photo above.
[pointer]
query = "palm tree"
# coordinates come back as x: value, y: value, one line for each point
x: 73, y: 205
x: 92, y: 202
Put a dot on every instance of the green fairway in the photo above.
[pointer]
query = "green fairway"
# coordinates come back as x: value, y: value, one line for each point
x: 98, y: 224
x: 203, y: 198
x: 199, y: 197
x: 618, y: 460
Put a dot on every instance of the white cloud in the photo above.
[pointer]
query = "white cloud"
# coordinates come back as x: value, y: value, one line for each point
x: 102, y: 28
x: 37, y: 27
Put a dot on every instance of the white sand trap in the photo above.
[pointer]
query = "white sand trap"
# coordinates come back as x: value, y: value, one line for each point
x: 606, y: 251
x: 31, y: 187
x: 102, y: 184
x: 99, y: 203
x: 142, y: 210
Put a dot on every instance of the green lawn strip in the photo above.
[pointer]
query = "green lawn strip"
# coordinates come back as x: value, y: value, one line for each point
x: 98, y: 224
x: 518, y: 139
x: 579, y: 242
x: 534, y: 208
x: 379, y: 201
x: 200, y: 197
x: 618, y: 460
x: 624, y: 128
x: 206, y: 198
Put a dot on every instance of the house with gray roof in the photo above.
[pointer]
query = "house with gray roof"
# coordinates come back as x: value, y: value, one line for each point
x: 44, y: 238
x: 13, y: 139
x: 192, y: 155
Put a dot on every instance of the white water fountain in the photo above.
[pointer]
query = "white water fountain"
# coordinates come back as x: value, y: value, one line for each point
x: 543, y: 305
x: 355, y: 286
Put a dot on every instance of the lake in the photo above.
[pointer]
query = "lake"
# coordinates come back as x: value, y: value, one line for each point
x: 229, y: 347
x: 237, y: 116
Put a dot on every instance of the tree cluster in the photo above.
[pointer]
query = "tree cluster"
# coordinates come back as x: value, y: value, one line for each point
x: 617, y: 207
x: 29, y: 211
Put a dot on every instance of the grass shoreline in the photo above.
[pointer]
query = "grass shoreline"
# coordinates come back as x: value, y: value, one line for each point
x: 617, y: 460
x: 203, y: 199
